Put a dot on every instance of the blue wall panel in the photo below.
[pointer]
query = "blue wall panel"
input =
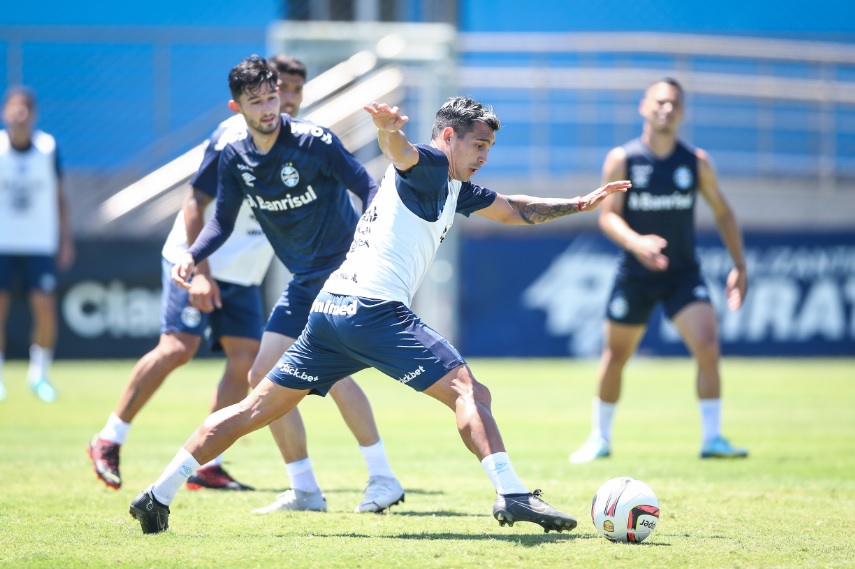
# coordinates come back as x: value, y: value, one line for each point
x: 797, y: 18
x: 546, y: 295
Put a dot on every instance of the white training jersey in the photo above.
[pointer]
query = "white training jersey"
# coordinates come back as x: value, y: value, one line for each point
x: 246, y: 255
x: 393, y: 248
x: 243, y: 259
x: 29, y: 197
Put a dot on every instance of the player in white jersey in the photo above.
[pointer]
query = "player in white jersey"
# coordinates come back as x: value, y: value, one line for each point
x: 362, y: 317
x: 35, y: 236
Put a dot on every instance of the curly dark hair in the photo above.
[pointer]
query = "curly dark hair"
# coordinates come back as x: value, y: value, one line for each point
x: 248, y: 76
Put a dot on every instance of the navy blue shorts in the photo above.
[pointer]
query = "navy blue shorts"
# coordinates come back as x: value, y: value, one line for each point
x: 633, y: 299
x: 291, y: 311
x: 241, y: 316
x: 346, y: 334
x: 38, y: 272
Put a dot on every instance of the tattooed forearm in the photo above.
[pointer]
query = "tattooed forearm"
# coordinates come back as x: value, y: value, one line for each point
x: 540, y: 210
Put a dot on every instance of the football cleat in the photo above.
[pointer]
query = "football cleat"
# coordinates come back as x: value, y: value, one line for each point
x: 216, y: 478
x: 380, y: 493
x: 720, y: 447
x: 43, y: 390
x: 105, y: 461
x: 595, y: 447
x: 152, y: 515
x: 512, y: 508
x: 296, y: 500
x: 2, y: 390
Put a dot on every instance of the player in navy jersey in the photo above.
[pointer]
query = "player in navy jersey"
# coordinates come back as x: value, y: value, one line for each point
x: 362, y: 318
x: 654, y: 225
x: 35, y: 235
x: 224, y: 300
x: 231, y: 301
x: 294, y: 177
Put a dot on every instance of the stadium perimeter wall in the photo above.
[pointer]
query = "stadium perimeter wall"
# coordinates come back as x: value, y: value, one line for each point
x: 106, y: 107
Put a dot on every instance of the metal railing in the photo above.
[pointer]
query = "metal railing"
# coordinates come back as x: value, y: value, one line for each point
x: 766, y: 108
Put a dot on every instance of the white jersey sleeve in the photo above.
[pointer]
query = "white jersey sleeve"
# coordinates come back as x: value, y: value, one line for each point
x: 246, y: 255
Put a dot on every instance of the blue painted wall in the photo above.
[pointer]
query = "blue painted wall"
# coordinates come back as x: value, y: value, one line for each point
x: 125, y: 85
x: 820, y: 19
x: 151, y: 13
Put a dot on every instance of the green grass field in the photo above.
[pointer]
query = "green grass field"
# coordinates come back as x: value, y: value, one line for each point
x: 789, y: 505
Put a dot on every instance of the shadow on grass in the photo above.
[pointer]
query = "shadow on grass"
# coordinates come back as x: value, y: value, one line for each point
x: 394, y: 511
x: 408, y: 491
x: 526, y: 539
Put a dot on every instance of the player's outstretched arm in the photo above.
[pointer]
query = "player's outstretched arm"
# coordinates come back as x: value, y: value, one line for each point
x: 393, y: 142
x: 530, y: 210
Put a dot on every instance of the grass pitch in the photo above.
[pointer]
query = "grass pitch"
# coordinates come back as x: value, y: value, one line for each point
x: 789, y: 505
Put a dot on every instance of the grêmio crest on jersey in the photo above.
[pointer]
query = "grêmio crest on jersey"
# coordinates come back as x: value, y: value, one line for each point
x: 290, y: 176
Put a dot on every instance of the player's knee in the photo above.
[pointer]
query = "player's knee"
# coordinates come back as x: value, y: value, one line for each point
x: 706, y: 349
x: 176, y: 352
x: 242, y: 362
x: 256, y: 374
x: 180, y: 355
x: 616, y: 356
x: 481, y: 393
x: 346, y: 388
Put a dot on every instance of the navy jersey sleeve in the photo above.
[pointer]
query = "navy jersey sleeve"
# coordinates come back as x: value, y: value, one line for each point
x: 345, y: 168
x: 473, y: 197
x: 205, y: 179
x: 430, y: 174
x: 229, y: 200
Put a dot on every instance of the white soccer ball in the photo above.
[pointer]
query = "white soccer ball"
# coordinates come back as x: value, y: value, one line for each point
x: 625, y: 509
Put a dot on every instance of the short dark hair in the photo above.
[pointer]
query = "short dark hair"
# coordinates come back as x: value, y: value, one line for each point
x: 669, y: 81
x: 21, y: 90
x: 461, y: 114
x: 250, y: 75
x: 288, y: 64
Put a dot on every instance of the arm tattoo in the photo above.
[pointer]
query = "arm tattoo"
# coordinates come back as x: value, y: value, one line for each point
x: 540, y: 210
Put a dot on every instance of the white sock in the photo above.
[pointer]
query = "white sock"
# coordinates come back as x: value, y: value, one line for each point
x: 115, y: 430
x: 302, y: 475
x: 602, y: 415
x: 502, y: 474
x: 376, y: 460
x: 710, y: 419
x: 175, y: 475
x: 40, y: 360
x: 215, y: 462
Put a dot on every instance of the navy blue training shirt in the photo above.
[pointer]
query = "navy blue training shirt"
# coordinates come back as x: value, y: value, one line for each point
x: 661, y: 201
x: 298, y: 193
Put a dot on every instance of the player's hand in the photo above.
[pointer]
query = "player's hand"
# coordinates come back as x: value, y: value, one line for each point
x: 385, y: 117
x: 204, y: 293
x: 590, y: 202
x: 183, y: 270
x: 737, y: 287
x: 648, y: 250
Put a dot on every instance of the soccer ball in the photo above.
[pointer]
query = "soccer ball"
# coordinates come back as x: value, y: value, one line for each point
x: 625, y: 509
